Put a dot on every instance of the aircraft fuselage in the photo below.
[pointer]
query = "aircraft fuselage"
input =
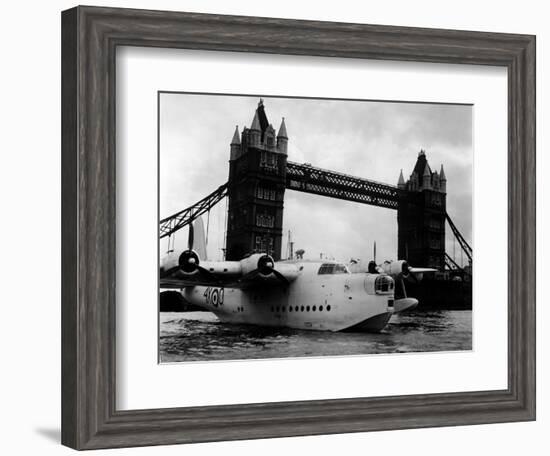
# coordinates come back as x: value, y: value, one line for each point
x: 313, y: 301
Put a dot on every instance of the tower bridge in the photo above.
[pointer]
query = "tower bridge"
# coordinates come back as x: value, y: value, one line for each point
x: 259, y: 175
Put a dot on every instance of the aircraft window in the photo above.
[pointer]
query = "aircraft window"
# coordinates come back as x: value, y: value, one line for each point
x: 332, y: 268
x: 328, y: 308
x: 277, y: 308
x: 320, y: 308
x: 302, y: 308
x: 340, y: 269
x: 314, y: 308
x: 296, y: 309
x: 307, y: 308
x: 327, y: 268
x: 290, y: 308
x: 383, y: 284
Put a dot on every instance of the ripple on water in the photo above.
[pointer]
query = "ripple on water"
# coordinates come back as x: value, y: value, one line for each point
x: 200, y: 336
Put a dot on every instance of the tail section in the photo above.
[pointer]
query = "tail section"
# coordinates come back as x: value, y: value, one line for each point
x: 200, y: 239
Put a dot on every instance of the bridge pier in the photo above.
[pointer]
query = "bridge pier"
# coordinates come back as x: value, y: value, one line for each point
x: 256, y: 187
x: 421, y: 215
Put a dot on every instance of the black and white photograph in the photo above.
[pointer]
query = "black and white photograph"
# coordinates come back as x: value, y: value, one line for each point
x: 294, y: 227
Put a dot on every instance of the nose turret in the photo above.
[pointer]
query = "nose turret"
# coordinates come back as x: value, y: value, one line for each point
x: 379, y: 284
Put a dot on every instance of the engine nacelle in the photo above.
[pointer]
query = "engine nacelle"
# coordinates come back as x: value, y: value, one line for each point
x: 189, y: 262
x: 261, y: 262
x: 395, y: 268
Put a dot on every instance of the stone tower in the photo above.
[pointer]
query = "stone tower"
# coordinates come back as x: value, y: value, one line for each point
x: 257, y: 174
x: 421, y: 216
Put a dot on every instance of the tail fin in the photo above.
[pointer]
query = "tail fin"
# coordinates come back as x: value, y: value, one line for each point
x: 200, y: 239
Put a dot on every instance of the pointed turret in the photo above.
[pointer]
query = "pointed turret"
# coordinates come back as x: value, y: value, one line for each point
x: 235, y: 145
x: 442, y: 180
x: 236, y: 137
x: 282, y: 130
x: 255, y: 131
x: 427, y: 177
x: 401, y: 181
x: 256, y: 122
x: 442, y: 174
x: 435, y: 180
x: 282, y: 138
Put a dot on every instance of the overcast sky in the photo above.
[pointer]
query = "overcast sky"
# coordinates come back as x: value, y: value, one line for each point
x: 372, y: 140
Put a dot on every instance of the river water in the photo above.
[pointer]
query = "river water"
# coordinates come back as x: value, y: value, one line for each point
x: 200, y: 336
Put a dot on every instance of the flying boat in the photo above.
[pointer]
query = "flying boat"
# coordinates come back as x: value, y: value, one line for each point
x: 324, y: 295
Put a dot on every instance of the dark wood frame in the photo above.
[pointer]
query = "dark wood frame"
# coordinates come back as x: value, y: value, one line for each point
x: 89, y: 38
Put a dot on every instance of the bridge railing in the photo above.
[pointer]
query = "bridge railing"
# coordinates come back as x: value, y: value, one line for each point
x: 319, y: 181
x: 177, y: 221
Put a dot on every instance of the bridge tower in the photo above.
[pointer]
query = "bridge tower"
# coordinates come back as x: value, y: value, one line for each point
x: 256, y: 187
x: 421, y: 216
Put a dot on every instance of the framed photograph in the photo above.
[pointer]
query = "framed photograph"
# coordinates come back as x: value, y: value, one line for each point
x: 255, y: 260
x: 279, y: 227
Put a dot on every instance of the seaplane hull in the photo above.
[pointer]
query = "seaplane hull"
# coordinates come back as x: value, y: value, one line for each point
x: 332, y: 305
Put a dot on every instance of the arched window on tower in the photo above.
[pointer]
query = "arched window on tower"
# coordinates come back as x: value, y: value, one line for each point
x: 266, y: 193
x: 265, y: 220
x: 268, y: 160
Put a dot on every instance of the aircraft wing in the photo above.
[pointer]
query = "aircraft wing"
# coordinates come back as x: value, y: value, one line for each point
x: 186, y: 270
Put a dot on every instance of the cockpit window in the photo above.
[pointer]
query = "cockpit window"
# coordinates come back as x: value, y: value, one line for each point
x: 340, y: 269
x: 333, y: 268
x: 326, y: 269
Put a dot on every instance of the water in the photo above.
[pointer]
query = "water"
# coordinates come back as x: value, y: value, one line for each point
x: 200, y: 336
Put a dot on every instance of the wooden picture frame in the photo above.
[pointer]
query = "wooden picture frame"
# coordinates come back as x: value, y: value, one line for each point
x: 90, y: 36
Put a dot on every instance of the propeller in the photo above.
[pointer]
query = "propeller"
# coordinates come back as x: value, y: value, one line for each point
x: 266, y: 267
x: 372, y: 267
x: 190, y: 237
x: 189, y: 261
x: 401, y: 270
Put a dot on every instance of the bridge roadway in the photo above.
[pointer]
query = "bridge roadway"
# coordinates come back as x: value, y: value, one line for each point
x: 310, y: 179
x: 302, y: 178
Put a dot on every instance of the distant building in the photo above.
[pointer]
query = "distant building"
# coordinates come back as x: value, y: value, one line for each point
x: 421, y: 215
x: 257, y: 175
